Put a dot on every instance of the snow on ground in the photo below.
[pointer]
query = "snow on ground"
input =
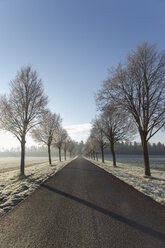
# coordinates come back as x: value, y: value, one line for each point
x: 13, y: 189
x: 13, y: 163
x: 134, y: 175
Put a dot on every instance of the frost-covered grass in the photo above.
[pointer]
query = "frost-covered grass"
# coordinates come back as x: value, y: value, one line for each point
x: 13, y: 163
x: 134, y: 175
x: 157, y: 162
x: 13, y: 189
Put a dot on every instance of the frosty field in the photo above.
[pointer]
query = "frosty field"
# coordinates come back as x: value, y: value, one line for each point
x: 13, y: 163
x: 13, y: 189
x: 157, y: 162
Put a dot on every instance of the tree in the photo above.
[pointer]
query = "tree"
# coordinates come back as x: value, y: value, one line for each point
x: 98, y: 134
x: 45, y: 131
x: 59, y: 138
x: 71, y: 147
x: 65, y: 143
x: 88, y: 149
x: 19, y: 112
x: 139, y: 88
x: 80, y: 147
x: 95, y: 147
x: 116, y: 127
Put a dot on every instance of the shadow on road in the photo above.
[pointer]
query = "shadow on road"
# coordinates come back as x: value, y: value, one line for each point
x: 118, y: 217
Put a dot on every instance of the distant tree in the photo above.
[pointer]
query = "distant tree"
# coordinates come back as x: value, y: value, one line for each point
x: 71, y: 147
x: 88, y: 150
x: 45, y: 131
x: 116, y: 127
x: 95, y: 147
x: 97, y: 133
x: 59, y: 138
x: 65, y: 143
x: 139, y: 88
x: 80, y: 148
x: 19, y: 112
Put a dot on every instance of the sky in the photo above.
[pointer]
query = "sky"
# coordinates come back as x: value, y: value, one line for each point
x: 71, y: 44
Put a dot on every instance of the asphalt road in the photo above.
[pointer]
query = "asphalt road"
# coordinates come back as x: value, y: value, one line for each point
x: 84, y: 206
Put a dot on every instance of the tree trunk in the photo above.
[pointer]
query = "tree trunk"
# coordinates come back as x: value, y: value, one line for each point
x: 65, y: 153
x: 102, y: 154
x: 49, y: 154
x: 96, y: 156
x: 70, y: 154
x: 93, y: 155
x: 113, y: 154
x: 59, y: 149
x: 22, y: 172
x: 145, y: 156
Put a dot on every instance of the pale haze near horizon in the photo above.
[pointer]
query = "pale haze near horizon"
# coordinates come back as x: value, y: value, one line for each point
x: 76, y: 132
x: 72, y: 44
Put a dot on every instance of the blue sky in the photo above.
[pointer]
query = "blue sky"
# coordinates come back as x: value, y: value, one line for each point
x: 72, y: 43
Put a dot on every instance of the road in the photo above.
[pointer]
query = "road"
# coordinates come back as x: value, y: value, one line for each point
x: 84, y: 206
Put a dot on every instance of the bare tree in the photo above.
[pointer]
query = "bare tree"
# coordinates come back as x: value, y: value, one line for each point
x: 19, y: 111
x: 65, y: 143
x: 94, y: 146
x: 88, y: 149
x: 80, y: 147
x: 59, y: 139
x: 117, y: 127
x: 45, y: 131
x: 71, y: 147
x: 139, y: 88
x: 98, y: 134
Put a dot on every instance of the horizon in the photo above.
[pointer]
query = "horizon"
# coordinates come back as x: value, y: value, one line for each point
x: 76, y: 132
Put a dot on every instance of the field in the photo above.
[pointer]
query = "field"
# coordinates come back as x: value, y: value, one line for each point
x: 157, y: 162
x: 13, y: 163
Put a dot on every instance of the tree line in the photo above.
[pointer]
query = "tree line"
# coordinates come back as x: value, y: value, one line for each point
x: 37, y: 151
x: 25, y: 110
x: 131, y: 100
x: 136, y: 148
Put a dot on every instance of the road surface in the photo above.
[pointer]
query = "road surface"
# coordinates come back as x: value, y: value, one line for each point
x: 84, y: 206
